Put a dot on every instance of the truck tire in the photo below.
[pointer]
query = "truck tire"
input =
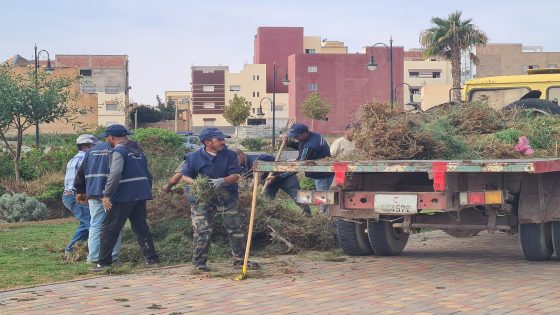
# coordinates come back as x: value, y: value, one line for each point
x: 538, y: 105
x: 385, y: 239
x: 353, y: 238
x: 536, y: 241
x: 461, y: 233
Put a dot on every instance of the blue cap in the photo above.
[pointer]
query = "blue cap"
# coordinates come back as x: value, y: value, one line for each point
x: 297, y: 129
x: 115, y: 130
x: 212, y: 132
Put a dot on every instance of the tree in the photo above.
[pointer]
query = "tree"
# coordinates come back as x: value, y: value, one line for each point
x: 237, y: 111
x: 314, y: 107
x: 146, y: 114
x: 448, y: 38
x: 167, y: 109
x: 26, y: 101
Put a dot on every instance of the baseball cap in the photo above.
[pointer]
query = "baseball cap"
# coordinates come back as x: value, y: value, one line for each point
x: 296, y: 129
x: 208, y: 133
x: 116, y: 130
x: 86, y: 138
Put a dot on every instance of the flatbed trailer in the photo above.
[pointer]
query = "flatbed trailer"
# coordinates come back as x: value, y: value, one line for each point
x: 377, y: 204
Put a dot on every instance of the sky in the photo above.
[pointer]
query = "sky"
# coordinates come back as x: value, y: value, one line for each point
x: 164, y: 38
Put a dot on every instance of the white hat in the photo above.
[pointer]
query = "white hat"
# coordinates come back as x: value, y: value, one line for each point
x: 86, y: 138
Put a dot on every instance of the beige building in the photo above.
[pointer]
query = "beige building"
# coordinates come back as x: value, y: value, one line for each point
x: 314, y: 45
x: 427, y: 78
x: 183, y: 102
x: 512, y: 59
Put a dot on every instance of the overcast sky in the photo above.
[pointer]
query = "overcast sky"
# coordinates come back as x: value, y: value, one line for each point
x: 164, y: 38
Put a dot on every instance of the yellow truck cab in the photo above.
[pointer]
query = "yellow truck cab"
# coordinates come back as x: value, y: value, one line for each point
x: 538, y: 90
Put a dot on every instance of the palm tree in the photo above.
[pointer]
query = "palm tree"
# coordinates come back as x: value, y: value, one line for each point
x: 448, y: 38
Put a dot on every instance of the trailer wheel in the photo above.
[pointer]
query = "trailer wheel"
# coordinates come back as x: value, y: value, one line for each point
x: 536, y: 241
x: 353, y: 238
x: 385, y: 239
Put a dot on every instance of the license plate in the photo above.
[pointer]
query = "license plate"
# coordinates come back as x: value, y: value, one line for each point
x: 395, y: 203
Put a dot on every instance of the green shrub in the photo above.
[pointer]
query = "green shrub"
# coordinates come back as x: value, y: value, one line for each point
x: 253, y: 144
x: 307, y: 183
x: 36, y: 163
x: 6, y: 165
x: 20, y: 207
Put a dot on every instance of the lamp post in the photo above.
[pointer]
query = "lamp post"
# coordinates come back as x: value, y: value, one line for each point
x: 410, y: 100
x: 285, y: 82
x: 48, y: 69
x: 372, y: 65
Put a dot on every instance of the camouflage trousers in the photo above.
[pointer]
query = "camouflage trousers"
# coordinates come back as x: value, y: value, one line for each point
x: 233, y: 218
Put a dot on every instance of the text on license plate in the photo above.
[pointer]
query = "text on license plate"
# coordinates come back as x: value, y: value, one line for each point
x: 395, y: 203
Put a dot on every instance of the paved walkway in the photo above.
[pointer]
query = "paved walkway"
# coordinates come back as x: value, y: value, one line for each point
x: 436, y: 275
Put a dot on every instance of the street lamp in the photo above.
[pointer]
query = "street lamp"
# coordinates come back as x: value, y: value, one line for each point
x: 372, y: 65
x: 285, y: 82
x: 411, y: 99
x: 48, y: 69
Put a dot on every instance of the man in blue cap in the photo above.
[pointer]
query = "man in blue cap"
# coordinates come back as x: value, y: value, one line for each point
x: 128, y: 187
x: 221, y: 166
x: 311, y: 146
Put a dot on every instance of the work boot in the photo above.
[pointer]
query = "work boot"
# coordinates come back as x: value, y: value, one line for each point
x: 202, y: 267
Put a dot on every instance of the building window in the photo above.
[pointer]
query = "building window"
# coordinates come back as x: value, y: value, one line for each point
x: 533, y: 67
x: 312, y: 86
x: 209, y: 105
x: 325, y: 119
x: 254, y: 94
x: 312, y: 69
x: 208, y: 122
x: 257, y: 77
x: 234, y: 88
x: 436, y: 75
x: 415, y: 91
x: 111, y: 89
x: 253, y: 110
x: 88, y: 89
x: 111, y: 107
x: 207, y: 88
x: 552, y: 66
x: 413, y: 74
x: 258, y: 94
x: 310, y: 51
x: 85, y: 72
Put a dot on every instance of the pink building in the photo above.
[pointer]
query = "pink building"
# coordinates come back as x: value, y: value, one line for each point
x: 344, y: 81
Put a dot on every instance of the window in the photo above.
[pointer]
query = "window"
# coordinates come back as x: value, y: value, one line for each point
x: 85, y: 72
x: 209, y: 105
x: 254, y: 94
x: 312, y: 69
x: 324, y: 119
x: 253, y: 110
x: 533, y: 67
x: 234, y: 88
x: 88, y: 89
x: 111, y: 107
x: 253, y: 77
x: 415, y: 91
x: 112, y: 89
x: 257, y: 77
x: 207, y: 88
x: 310, y: 51
x: 312, y: 86
x: 436, y: 75
x: 208, y: 122
x: 258, y: 94
x: 552, y: 66
x: 553, y: 94
x: 413, y: 74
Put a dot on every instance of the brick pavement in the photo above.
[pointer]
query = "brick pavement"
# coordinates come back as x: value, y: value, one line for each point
x: 437, y: 275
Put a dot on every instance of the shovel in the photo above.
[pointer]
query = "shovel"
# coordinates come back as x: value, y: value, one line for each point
x: 282, y: 146
x: 251, y: 222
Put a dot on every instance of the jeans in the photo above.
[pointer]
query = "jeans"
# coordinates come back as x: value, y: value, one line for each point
x: 290, y: 185
x: 113, y: 224
x: 97, y: 216
x: 324, y: 184
x: 80, y: 212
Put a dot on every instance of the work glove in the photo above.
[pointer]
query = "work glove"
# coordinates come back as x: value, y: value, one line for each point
x: 217, y: 182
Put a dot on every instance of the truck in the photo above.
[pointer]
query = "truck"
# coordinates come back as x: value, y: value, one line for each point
x: 375, y: 205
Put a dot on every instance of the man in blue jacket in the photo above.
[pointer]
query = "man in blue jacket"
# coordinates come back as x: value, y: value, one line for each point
x: 128, y: 187
x: 89, y: 184
x: 222, y: 168
x: 311, y: 146
x: 288, y: 182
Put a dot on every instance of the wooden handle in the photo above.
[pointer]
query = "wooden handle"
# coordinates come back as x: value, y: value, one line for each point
x: 251, y: 222
x: 278, y: 154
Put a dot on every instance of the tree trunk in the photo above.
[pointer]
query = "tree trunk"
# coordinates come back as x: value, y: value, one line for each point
x: 17, y: 157
x: 456, y: 74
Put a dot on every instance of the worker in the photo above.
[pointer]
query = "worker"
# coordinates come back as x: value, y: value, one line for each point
x: 343, y: 146
x: 128, y: 187
x: 288, y: 182
x: 79, y: 210
x: 221, y: 166
x: 311, y: 146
